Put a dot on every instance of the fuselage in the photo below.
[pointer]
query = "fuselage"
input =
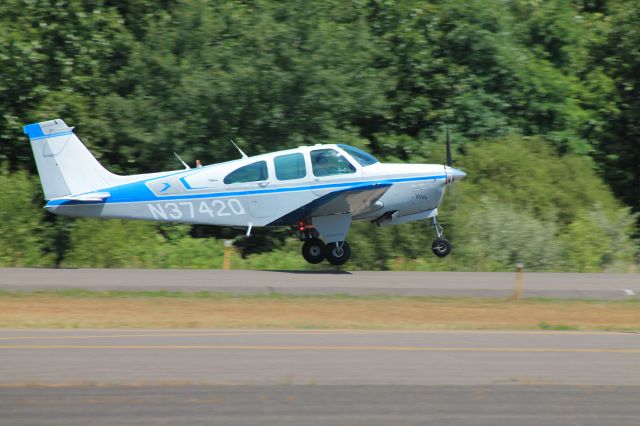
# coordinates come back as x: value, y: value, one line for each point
x: 317, y: 190
x: 263, y: 190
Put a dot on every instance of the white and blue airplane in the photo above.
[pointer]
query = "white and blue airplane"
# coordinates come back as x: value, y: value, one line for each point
x: 317, y: 191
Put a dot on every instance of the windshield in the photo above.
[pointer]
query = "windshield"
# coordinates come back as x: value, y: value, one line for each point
x: 328, y: 162
x: 364, y: 158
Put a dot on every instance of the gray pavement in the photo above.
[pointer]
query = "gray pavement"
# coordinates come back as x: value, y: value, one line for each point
x: 468, y: 284
x: 296, y: 377
x: 299, y: 357
x: 323, y: 405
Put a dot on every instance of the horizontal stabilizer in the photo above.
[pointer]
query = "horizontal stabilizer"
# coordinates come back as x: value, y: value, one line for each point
x: 92, y: 196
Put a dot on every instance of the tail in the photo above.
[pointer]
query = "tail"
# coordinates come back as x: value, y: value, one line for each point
x: 65, y: 165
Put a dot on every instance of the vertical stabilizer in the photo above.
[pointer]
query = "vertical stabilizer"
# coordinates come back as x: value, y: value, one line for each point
x: 64, y: 164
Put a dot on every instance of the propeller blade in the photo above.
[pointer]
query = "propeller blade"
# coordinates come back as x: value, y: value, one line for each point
x: 449, y: 160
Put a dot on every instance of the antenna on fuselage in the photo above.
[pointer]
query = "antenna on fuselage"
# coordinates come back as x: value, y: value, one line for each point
x: 238, y: 148
x: 186, y: 166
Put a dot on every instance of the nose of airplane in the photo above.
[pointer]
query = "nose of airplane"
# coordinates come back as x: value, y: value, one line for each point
x: 454, y: 175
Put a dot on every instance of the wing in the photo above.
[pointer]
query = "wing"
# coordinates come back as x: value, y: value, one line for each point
x: 355, y: 200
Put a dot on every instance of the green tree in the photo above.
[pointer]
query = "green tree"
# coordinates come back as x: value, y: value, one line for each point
x: 538, y: 95
x: 586, y: 245
x: 113, y: 244
x: 57, y: 58
x: 22, y: 231
x: 618, y: 57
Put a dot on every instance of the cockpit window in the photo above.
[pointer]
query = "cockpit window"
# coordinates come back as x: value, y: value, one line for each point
x: 253, y: 172
x: 327, y: 162
x: 362, y: 157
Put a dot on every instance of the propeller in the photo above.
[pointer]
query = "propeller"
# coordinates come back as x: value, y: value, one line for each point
x: 449, y: 159
x: 453, y: 174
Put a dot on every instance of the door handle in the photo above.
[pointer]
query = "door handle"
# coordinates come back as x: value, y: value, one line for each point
x: 263, y: 184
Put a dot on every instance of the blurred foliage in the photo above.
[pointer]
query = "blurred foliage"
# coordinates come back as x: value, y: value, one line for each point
x: 550, y: 226
x: 520, y: 202
x: 542, y: 97
x: 22, y: 230
x: 131, y: 244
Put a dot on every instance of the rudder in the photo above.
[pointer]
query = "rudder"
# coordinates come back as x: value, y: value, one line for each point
x: 64, y: 164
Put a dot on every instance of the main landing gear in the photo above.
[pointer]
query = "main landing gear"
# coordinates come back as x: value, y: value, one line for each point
x: 441, y: 247
x: 314, y: 250
x: 338, y: 253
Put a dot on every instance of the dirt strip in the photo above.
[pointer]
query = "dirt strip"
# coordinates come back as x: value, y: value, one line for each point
x: 51, y: 311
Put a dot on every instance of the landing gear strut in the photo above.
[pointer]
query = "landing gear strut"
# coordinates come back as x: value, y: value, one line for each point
x: 441, y: 247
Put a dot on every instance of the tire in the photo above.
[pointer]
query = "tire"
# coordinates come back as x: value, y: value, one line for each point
x: 441, y: 247
x: 335, y: 256
x: 313, y: 250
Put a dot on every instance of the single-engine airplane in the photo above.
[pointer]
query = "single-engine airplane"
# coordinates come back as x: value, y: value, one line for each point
x: 317, y: 190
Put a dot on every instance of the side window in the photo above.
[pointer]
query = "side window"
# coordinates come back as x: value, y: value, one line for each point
x: 327, y: 162
x: 250, y: 173
x: 290, y: 166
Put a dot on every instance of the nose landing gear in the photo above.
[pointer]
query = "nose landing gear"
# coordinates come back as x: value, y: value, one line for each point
x: 441, y: 247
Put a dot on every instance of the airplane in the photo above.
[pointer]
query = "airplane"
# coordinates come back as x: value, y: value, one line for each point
x: 317, y: 191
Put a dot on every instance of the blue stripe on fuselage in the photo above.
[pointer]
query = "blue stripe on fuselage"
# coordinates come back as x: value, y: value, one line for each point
x: 139, y: 192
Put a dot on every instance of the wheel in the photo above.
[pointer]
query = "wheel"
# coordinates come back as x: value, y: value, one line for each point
x: 441, y: 247
x: 336, y: 254
x: 313, y: 250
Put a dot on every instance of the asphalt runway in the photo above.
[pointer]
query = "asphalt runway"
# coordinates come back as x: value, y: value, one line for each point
x: 297, y: 377
x: 467, y: 284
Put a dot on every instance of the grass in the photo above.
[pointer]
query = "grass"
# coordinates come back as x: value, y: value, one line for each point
x: 543, y: 325
x: 161, y: 309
